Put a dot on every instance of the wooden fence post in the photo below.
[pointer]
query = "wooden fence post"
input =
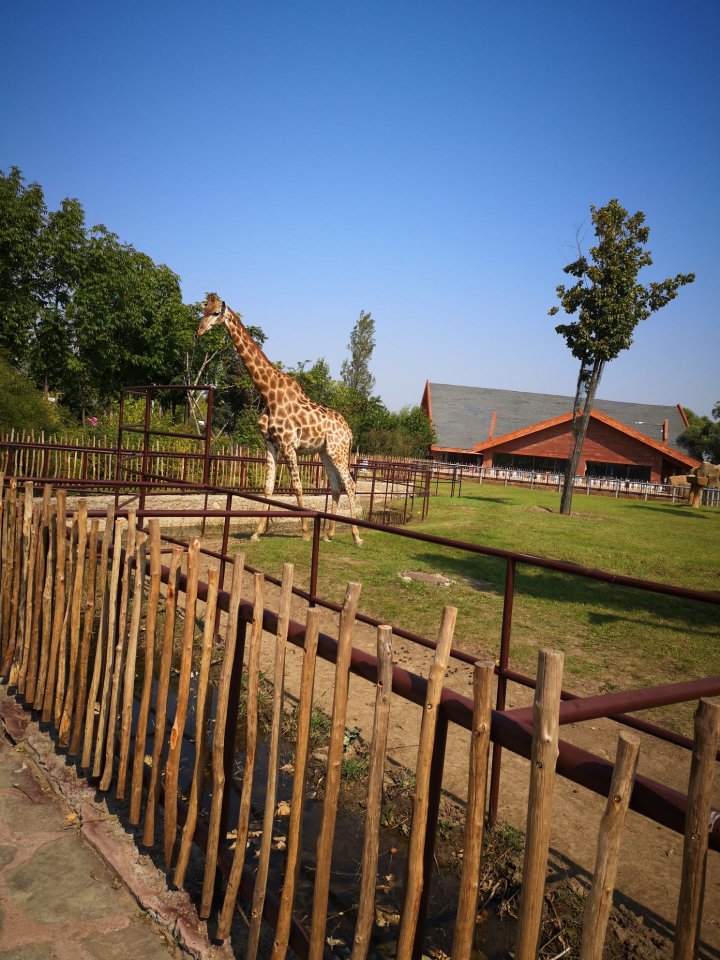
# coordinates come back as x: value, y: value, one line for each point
x: 88, y: 624
x: 416, y: 843
x: 326, y: 834
x: 202, y: 702
x: 546, y: 712
x: 251, y: 737
x: 130, y: 662
x: 302, y: 742
x: 161, y: 697
x: 378, y: 753
x: 271, y: 786
x: 475, y: 815
x: 218, y: 744
x: 144, y: 712
x: 77, y: 589
x: 612, y: 825
x: 172, y: 766
x: 103, y: 594
x: 692, y: 883
x: 59, y: 601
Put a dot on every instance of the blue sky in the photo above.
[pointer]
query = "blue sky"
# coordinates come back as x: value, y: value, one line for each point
x: 428, y: 162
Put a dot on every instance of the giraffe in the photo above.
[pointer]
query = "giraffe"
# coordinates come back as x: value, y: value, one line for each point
x: 292, y: 422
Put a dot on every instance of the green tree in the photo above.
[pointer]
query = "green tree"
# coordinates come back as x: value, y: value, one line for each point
x: 702, y: 437
x: 610, y: 303
x: 355, y: 372
x: 61, y: 260
x: 22, y: 217
x: 127, y: 316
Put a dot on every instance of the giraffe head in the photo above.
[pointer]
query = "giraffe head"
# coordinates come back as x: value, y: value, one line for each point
x: 213, y: 313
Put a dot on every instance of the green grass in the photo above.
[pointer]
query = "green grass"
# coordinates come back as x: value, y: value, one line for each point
x: 611, y: 637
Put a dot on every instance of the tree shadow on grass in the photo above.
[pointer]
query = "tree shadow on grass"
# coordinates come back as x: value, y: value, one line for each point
x: 599, y: 599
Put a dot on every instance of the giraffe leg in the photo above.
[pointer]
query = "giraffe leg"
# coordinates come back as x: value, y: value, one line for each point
x: 291, y: 456
x: 335, y: 491
x: 271, y: 457
x: 335, y: 467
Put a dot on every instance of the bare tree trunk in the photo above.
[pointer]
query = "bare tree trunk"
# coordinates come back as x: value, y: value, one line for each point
x: 586, y: 388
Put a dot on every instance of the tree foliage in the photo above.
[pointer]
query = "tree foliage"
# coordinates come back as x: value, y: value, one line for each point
x: 355, y: 372
x: 609, y: 303
x: 83, y: 314
x: 702, y: 437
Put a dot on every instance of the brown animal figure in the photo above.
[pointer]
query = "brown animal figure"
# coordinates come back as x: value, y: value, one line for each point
x: 292, y: 423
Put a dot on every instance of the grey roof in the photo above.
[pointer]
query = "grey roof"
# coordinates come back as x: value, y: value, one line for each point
x: 462, y: 415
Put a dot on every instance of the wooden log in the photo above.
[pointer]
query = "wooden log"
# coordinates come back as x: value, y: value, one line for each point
x: 332, y: 783
x: 263, y: 866
x: 47, y: 617
x: 59, y: 602
x: 130, y: 659
x: 77, y: 589
x: 697, y: 819
x: 475, y: 816
x: 416, y: 842
x: 144, y: 712
x: 16, y: 574
x: 24, y: 564
x: 28, y: 650
x: 546, y: 711
x: 63, y: 647
x: 104, y: 594
x: 218, y: 745
x: 612, y: 825
x: 161, y: 696
x: 40, y: 567
x: 378, y: 753
x: 202, y: 702
x: 84, y: 652
x: 8, y: 565
x: 172, y: 766
x: 119, y: 653
x: 302, y: 743
x: 108, y: 637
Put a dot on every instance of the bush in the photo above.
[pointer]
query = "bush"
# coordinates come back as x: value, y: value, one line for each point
x: 24, y: 407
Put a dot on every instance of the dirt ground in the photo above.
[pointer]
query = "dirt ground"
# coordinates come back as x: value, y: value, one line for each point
x: 650, y: 863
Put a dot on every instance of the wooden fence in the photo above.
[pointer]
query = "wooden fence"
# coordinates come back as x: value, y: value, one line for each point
x: 92, y: 633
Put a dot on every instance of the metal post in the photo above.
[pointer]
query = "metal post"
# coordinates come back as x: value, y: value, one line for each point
x: 315, y: 560
x: 118, y: 456
x: 146, y: 442
x: 434, y: 797
x: 502, y: 684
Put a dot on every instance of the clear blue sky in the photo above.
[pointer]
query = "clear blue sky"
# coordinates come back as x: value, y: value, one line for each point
x: 428, y: 162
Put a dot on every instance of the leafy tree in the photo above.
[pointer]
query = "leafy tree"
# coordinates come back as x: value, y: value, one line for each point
x: 610, y: 303
x: 61, y: 261
x: 355, y: 372
x: 22, y: 405
x: 127, y: 314
x: 22, y: 215
x: 702, y: 437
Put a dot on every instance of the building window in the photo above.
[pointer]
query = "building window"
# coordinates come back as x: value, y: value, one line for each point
x: 518, y: 461
x: 617, y: 471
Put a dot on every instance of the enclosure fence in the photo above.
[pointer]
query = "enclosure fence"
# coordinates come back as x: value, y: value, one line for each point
x: 95, y: 638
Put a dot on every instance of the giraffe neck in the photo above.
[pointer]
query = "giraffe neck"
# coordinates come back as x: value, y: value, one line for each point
x: 262, y: 373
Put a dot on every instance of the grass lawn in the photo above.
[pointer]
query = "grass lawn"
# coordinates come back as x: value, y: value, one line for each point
x: 612, y: 637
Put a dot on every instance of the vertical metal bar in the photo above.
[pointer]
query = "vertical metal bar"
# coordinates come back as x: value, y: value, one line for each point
x: 208, y: 437
x: 372, y: 492
x: 146, y: 443
x: 118, y: 455
x: 434, y: 797
x: 315, y: 560
x: 502, y: 684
